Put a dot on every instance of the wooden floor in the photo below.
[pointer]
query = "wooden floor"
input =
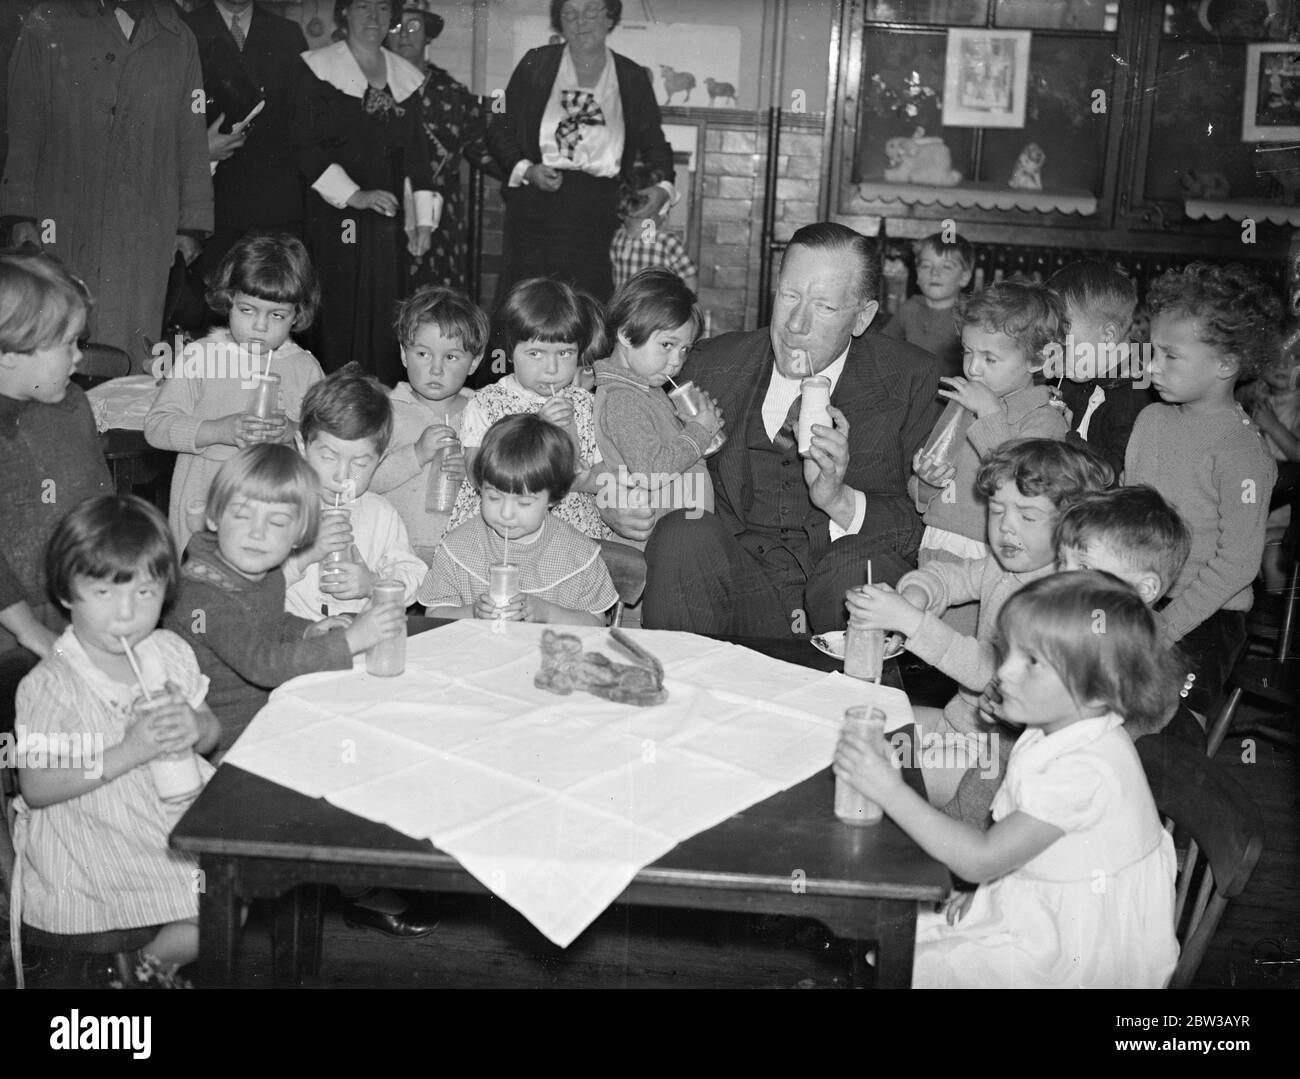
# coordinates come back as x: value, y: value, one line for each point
x: 483, y: 942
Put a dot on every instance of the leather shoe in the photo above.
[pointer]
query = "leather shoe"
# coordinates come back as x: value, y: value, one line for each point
x: 406, y: 924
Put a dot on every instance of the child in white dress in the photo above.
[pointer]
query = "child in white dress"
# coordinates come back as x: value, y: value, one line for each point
x: 1076, y: 877
x: 92, y: 832
x: 547, y: 328
x: 267, y: 288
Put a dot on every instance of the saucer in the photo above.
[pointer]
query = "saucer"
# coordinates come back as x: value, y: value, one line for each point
x: 832, y: 644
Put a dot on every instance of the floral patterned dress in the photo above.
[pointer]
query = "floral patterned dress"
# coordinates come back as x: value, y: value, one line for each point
x: 509, y: 398
x: 454, y: 127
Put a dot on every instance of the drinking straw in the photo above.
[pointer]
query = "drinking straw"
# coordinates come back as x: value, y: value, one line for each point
x: 670, y: 379
x: 505, y: 550
x: 869, y: 583
x: 267, y: 372
x: 135, y: 666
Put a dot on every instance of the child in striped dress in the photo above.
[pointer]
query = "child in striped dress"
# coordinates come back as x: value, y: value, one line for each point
x: 547, y: 327
x: 523, y: 468
x: 92, y: 831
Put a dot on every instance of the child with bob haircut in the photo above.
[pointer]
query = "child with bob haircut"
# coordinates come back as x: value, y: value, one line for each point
x: 1075, y: 806
x: 48, y: 445
x: 636, y: 245
x: 523, y: 468
x: 547, y: 328
x: 347, y: 422
x: 943, y: 269
x: 94, y: 852
x: 443, y: 337
x: 1026, y: 485
x: 1099, y: 380
x: 1211, y: 326
x: 1131, y: 533
x: 654, y: 320
x: 264, y: 504
x: 1005, y: 331
x: 267, y: 289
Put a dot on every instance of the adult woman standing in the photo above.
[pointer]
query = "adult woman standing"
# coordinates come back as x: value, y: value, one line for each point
x: 454, y: 126
x: 360, y: 142
x: 576, y: 117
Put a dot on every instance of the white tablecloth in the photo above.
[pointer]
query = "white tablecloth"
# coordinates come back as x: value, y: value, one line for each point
x: 554, y: 803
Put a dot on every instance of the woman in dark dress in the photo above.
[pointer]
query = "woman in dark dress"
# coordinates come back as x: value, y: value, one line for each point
x: 455, y: 127
x: 577, y: 117
x: 360, y: 142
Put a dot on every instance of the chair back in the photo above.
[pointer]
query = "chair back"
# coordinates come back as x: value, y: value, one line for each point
x: 627, y: 569
x: 1226, y: 833
x: 99, y: 363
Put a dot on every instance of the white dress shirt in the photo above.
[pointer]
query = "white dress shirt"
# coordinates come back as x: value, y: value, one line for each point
x: 781, y: 394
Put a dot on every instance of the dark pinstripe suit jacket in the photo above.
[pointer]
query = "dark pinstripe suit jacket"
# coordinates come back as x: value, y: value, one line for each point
x: 887, y: 393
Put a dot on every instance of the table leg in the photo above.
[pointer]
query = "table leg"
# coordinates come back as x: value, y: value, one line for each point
x: 296, y: 935
x: 218, y: 922
x: 896, y: 938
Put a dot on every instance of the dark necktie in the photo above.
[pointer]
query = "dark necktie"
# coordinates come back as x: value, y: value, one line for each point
x: 237, y: 32
x: 784, y: 439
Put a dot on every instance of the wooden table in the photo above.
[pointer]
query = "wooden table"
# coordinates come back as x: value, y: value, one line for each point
x: 786, y: 855
x: 133, y: 462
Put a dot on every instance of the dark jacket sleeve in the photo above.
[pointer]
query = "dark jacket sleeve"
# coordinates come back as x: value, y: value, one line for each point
x: 644, y: 134
x: 311, y: 124
x: 509, y: 136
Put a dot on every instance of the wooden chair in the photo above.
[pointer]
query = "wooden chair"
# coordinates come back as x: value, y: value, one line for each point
x: 1214, y: 812
x: 99, y: 363
x: 627, y: 569
x: 1275, y: 680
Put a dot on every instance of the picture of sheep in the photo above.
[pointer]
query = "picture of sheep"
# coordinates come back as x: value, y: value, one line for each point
x: 720, y: 90
x: 676, y: 82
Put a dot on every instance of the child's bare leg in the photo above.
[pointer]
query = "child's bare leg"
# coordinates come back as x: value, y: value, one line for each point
x: 177, y: 943
x: 941, y: 778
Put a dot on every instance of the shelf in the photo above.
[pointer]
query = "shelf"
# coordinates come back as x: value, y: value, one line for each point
x: 1240, y: 209
x: 982, y: 196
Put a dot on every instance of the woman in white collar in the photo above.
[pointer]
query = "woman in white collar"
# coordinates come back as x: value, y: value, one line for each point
x: 577, y: 116
x: 361, y: 147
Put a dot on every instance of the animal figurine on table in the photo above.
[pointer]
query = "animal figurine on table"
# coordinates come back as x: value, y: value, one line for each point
x: 566, y: 667
x: 720, y: 90
x: 920, y: 159
x: 1204, y: 184
x: 676, y: 82
x: 1028, y: 173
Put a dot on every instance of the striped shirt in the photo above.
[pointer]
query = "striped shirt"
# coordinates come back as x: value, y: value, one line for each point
x: 101, y: 861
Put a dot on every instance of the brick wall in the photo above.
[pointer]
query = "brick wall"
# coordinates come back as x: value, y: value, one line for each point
x: 729, y: 213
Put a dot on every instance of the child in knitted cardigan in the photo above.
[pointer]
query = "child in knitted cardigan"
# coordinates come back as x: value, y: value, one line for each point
x: 653, y: 322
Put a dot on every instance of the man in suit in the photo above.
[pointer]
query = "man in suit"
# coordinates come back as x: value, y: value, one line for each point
x: 791, y: 534
x: 249, y: 55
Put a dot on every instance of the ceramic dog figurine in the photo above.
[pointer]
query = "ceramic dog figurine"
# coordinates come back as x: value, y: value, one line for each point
x: 1028, y: 173
x: 920, y: 159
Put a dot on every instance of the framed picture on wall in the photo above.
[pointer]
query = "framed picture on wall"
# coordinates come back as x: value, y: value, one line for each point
x: 1271, y: 111
x: 984, y: 78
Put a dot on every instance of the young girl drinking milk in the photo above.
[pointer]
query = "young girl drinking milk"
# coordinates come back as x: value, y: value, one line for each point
x: 547, y: 329
x: 1076, y: 877
x: 267, y: 288
x: 263, y: 505
x: 92, y: 834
